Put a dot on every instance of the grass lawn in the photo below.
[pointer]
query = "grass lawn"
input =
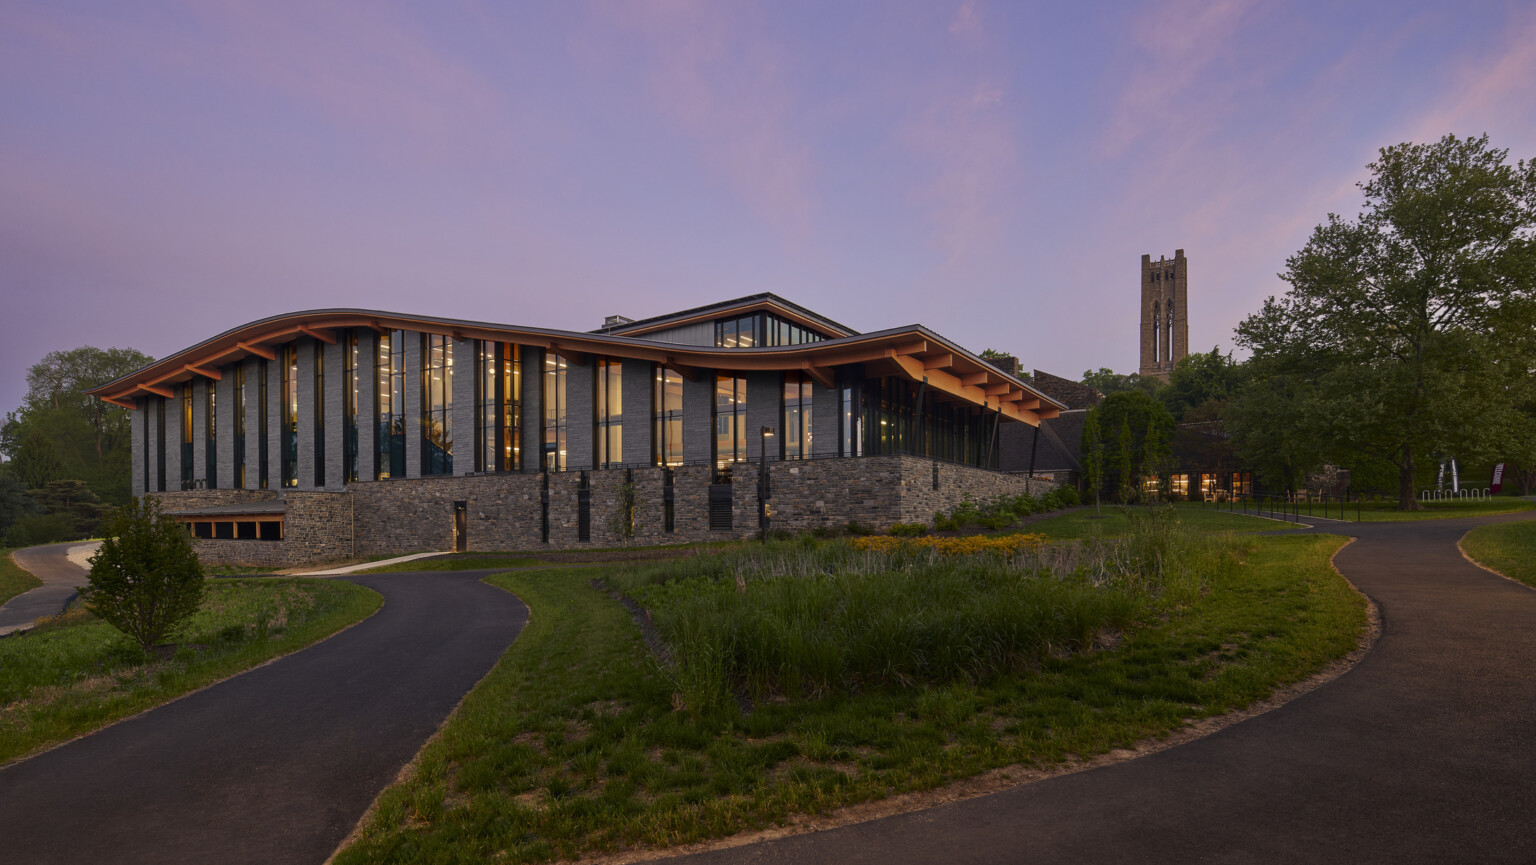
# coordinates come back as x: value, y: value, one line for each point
x: 456, y: 562
x: 1509, y: 548
x: 1386, y: 512
x: 14, y: 580
x: 74, y: 673
x: 1114, y: 521
x: 572, y: 745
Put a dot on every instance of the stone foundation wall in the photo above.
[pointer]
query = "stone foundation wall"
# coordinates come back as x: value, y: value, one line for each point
x: 317, y: 527
x: 505, y: 511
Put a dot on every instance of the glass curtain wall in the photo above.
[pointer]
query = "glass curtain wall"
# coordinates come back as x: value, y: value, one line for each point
x: 350, y: 355
x: 730, y: 420
x: 239, y: 438
x: 319, y: 350
x: 667, y: 417
x: 436, y: 404
x: 608, y: 405
x: 498, y: 407
x: 555, y: 426
x: 389, y: 438
x: 882, y: 413
x: 796, y: 436
x: 211, y: 434
x: 762, y: 329
x: 289, y: 443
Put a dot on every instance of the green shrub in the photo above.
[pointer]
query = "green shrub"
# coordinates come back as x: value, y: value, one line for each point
x: 942, y: 522
x: 146, y: 580
x: 909, y: 530
x: 966, y: 514
x: 34, y: 529
x: 1062, y: 497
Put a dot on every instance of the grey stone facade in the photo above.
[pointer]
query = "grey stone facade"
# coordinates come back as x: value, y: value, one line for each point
x: 578, y: 414
x: 412, y: 515
x: 138, y: 430
x: 638, y: 381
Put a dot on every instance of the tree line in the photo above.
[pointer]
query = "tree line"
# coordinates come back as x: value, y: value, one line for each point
x: 1408, y: 335
x: 68, y: 454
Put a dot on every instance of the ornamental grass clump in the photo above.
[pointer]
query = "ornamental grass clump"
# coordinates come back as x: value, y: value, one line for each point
x: 805, y: 620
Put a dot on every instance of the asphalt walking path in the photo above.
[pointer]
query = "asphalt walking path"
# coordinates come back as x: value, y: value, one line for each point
x: 60, y: 576
x: 276, y: 764
x: 1424, y: 752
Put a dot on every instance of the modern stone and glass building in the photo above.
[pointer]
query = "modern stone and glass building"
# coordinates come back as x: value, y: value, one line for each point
x: 340, y: 433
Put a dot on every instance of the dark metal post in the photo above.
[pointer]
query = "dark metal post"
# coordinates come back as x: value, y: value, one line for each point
x: 1034, y: 443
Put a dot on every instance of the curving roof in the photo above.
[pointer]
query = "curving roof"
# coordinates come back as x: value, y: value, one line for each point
x: 914, y: 352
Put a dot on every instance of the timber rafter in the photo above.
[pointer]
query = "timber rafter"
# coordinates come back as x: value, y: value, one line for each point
x: 952, y: 374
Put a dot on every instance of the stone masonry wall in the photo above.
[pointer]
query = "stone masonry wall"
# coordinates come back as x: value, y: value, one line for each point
x: 504, y: 511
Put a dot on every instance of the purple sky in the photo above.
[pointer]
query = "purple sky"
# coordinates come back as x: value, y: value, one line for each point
x: 992, y: 170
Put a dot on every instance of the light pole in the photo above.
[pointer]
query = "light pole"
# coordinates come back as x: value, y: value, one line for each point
x: 762, y: 484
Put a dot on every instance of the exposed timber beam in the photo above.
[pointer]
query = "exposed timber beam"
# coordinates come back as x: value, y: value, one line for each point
x: 818, y: 374
x: 257, y: 350
x: 997, y: 389
x: 205, y: 372
x: 158, y: 391
x: 974, y: 378
x: 939, y: 361
x: 119, y: 402
x: 327, y: 338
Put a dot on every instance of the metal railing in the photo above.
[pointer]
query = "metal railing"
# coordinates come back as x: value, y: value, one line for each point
x: 1292, y: 506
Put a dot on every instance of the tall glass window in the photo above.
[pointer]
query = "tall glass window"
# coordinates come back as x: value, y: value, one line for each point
x: 436, y: 404
x: 319, y: 415
x: 730, y: 420
x: 797, y: 416
x: 186, y: 436
x: 667, y: 417
x: 350, y: 355
x: 290, y: 420
x: 554, y: 412
x: 262, y: 460
x: 608, y: 403
x: 211, y: 433
x: 389, y: 438
x: 498, y: 407
x: 239, y: 440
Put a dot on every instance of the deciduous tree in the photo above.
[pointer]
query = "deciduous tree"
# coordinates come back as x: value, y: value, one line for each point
x: 145, y: 581
x: 1395, y: 330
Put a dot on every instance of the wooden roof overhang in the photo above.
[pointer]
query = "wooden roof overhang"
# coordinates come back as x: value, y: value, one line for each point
x: 951, y: 373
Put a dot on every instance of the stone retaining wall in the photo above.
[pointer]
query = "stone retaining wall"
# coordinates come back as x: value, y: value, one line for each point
x: 505, y: 512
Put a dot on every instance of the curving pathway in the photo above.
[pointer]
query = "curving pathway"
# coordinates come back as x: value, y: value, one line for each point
x: 60, y: 575
x: 276, y: 764
x: 1424, y: 752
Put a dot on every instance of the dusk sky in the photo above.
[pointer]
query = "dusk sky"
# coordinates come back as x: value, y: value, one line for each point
x: 991, y: 170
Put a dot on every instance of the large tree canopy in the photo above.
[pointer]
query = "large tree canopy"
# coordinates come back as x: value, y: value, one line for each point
x: 90, y: 438
x: 1400, y: 335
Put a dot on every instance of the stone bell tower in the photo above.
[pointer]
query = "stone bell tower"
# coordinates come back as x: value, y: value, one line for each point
x: 1164, y: 313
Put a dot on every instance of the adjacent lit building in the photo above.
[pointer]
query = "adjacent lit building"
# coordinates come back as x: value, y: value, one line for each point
x: 336, y: 433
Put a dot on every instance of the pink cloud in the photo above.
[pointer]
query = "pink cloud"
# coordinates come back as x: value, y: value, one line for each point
x: 715, y: 77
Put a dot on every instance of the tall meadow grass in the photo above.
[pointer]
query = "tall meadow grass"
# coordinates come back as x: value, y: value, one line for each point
x: 808, y: 619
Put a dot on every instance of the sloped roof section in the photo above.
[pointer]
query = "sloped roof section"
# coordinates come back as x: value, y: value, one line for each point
x: 913, y: 352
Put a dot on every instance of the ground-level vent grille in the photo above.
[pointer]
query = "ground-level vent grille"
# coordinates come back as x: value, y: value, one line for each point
x: 720, y: 507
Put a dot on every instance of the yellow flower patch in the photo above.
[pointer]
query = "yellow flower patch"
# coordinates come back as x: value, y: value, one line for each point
x: 967, y: 546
